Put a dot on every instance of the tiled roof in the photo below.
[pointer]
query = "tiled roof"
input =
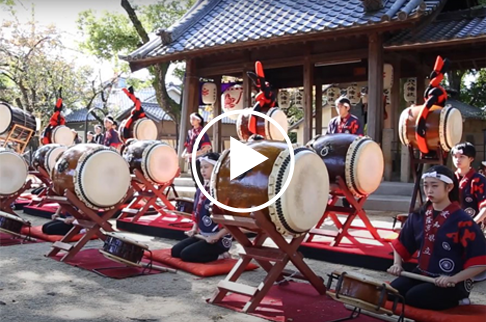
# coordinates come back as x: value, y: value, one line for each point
x: 458, y: 25
x: 214, y: 23
x: 467, y: 111
x: 79, y: 116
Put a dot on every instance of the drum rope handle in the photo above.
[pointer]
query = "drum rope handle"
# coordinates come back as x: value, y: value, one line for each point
x: 149, y: 264
x: 137, y: 111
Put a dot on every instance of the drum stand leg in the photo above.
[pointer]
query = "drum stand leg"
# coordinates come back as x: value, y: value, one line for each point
x: 264, y: 256
x: 355, y: 210
x: 87, y: 218
x: 43, y: 176
x: 6, y: 202
x: 417, y: 165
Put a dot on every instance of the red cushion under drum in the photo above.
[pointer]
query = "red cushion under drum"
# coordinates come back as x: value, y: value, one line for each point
x: 466, y: 313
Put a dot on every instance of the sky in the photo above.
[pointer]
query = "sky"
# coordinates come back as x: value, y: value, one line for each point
x: 64, y: 13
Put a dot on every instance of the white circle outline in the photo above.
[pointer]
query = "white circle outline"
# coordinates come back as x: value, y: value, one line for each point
x: 287, y: 182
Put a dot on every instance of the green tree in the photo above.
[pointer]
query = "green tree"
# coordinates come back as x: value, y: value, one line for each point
x: 475, y: 93
x: 113, y: 35
x: 33, y: 67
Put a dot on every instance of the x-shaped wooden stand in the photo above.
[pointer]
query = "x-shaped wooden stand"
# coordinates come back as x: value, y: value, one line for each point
x: 44, y: 177
x: 149, y: 193
x: 356, y: 210
x: 264, y: 256
x: 6, y: 201
x: 87, y: 218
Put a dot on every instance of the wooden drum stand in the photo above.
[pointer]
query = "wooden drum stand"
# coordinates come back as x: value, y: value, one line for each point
x: 355, y: 210
x: 7, y: 200
x: 285, y: 252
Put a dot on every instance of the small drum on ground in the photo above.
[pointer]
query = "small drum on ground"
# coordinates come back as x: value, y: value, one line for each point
x: 443, y: 127
x: 47, y: 155
x: 264, y: 127
x: 63, y: 135
x: 157, y: 160
x: 13, y: 172
x: 358, y: 160
x: 11, y: 224
x: 361, y: 291
x: 98, y: 175
x: 142, y: 129
x: 122, y: 249
x: 10, y: 115
x: 301, y: 205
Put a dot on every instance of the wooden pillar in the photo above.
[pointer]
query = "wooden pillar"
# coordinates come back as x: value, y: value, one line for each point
x: 308, y: 86
x: 375, y: 86
x: 218, y: 126
x: 247, y: 85
x: 420, y: 84
x: 318, y: 108
x: 187, y: 101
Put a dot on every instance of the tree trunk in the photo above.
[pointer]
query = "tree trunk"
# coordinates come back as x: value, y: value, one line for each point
x: 455, y: 80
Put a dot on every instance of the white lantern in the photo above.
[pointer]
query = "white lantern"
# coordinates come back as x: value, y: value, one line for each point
x: 352, y: 94
x: 332, y: 93
x: 410, y: 90
x: 208, y: 93
x: 232, y: 100
x: 387, y: 94
x: 387, y: 76
x: 299, y: 99
x: 283, y: 99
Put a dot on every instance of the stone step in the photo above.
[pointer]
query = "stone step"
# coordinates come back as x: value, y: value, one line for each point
x: 184, y: 182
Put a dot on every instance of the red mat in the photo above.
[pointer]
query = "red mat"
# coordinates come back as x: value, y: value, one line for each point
x: 168, y: 226
x: 21, y: 202
x: 463, y: 313
x: 298, y: 302
x: 36, y: 232
x: 45, y: 211
x: 93, y: 260
x: 9, y: 240
x: 218, y: 267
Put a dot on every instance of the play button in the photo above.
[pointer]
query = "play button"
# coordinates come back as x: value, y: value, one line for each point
x: 243, y: 158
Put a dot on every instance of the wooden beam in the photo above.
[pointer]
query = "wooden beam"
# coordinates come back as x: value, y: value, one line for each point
x: 308, y: 98
x: 217, y: 128
x: 375, y: 86
x: 187, y: 100
x: 318, y: 116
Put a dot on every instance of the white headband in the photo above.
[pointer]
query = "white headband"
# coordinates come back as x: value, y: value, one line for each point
x: 439, y: 176
x: 107, y: 119
x: 208, y: 160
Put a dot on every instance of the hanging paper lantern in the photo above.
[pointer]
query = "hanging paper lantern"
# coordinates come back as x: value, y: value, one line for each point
x: 364, y: 95
x: 352, y: 94
x: 232, y: 100
x: 386, y: 92
x: 299, y: 99
x: 208, y: 93
x: 283, y: 99
x: 410, y: 90
x: 332, y: 93
x: 387, y: 76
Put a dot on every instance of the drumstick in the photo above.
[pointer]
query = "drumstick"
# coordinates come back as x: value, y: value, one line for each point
x: 422, y: 278
x: 157, y: 267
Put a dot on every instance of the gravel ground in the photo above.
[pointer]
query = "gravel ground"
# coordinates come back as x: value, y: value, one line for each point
x: 35, y: 288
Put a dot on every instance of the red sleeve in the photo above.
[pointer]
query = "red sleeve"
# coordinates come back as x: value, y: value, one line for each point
x: 401, y: 250
x: 472, y: 239
x: 479, y: 190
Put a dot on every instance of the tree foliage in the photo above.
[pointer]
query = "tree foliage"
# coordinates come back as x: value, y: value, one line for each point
x: 33, y: 67
x: 475, y: 93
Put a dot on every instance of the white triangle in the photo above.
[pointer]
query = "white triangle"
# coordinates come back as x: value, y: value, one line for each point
x: 243, y: 158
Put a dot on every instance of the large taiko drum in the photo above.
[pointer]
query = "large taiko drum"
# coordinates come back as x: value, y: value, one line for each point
x: 47, y: 155
x: 13, y: 172
x: 157, y: 160
x: 356, y: 159
x: 10, y: 115
x: 142, y: 129
x: 301, y: 205
x: 11, y: 224
x: 443, y: 127
x: 97, y: 175
x: 61, y: 134
x: 264, y: 127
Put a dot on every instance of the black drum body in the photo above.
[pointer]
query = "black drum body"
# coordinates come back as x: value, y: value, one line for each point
x: 10, y: 116
x: 122, y: 248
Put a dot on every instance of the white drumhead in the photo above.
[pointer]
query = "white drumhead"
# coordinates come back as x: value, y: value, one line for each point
x: 402, y: 126
x: 453, y: 126
x: 13, y: 217
x: 271, y: 131
x: 51, y: 157
x: 145, y: 129
x: 5, y: 117
x: 62, y: 135
x: 104, y: 177
x: 13, y: 172
x: 162, y: 163
x: 305, y: 200
x: 365, y: 165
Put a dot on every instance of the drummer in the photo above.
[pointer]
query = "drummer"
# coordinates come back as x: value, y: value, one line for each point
x: 98, y: 138
x: 345, y: 122
x: 211, y: 243
x: 452, y: 248
x: 58, y: 225
x: 472, y: 185
x: 204, y: 146
x: 111, y: 136
x: 482, y: 168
